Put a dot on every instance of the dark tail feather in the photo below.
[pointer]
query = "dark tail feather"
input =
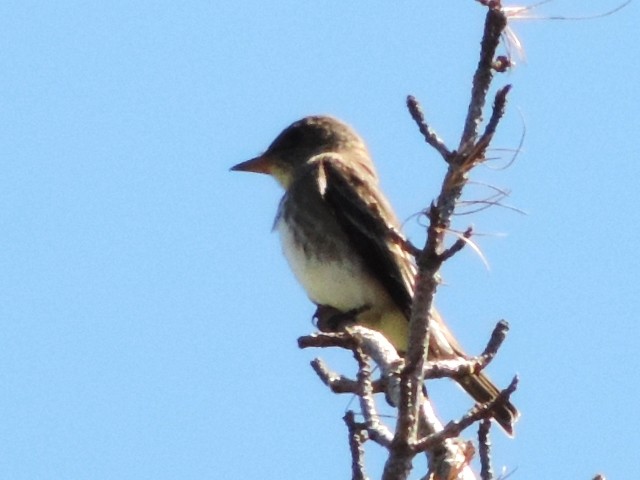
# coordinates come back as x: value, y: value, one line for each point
x: 483, y: 390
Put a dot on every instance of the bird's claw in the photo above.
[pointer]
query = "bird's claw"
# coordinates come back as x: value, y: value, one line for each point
x: 329, y: 319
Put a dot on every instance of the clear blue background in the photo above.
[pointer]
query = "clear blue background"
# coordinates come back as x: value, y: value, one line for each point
x: 148, y: 322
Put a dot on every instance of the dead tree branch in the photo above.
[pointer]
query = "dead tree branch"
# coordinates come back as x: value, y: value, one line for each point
x: 469, y: 154
x: 484, y: 444
x: 357, y: 438
x: 417, y: 428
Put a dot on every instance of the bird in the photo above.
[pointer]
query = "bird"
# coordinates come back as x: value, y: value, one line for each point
x: 344, y: 244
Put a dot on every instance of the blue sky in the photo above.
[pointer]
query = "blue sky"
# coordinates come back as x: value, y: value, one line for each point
x: 148, y: 322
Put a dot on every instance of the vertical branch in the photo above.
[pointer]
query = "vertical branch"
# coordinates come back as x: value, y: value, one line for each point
x: 494, y: 25
x: 484, y: 447
x: 430, y: 260
x: 357, y: 437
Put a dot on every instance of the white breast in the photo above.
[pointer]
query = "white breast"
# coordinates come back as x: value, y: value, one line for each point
x: 340, y: 282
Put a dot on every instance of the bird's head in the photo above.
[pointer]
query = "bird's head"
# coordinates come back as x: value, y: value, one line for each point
x: 299, y: 143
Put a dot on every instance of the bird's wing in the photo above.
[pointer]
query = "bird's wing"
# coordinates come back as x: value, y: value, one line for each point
x: 368, y: 221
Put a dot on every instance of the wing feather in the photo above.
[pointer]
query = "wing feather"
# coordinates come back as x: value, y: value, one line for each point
x: 369, y: 223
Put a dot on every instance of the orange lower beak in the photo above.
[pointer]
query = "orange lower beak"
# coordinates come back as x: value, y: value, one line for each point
x: 259, y: 164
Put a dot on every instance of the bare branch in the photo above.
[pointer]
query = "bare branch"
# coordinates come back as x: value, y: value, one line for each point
x: 476, y: 154
x: 495, y: 23
x: 376, y: 429
x: 457, y: 246
x: 459, y: 367
x: 340, y: 383
x: 417, y: 428
x: 497, y: 113
x: 484, y: 449
x: 430, y: 261
x: 375, y: 345
x: 428, y: 133
x: 454, y: 428
x: 397, y: 237
x: 325, y: 339
x: 357, y: 437
x: 495, y: 342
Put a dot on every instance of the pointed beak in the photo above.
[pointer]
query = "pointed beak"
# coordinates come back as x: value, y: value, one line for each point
x: 261, y: 164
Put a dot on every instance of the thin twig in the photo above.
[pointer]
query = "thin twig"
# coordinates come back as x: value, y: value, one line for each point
x: 454, y: 428
x: 340, y: 383
x: 495, y: 341
x: 378, y: 432
x: 484, y: 450
x: 458, y: 245
x: 495, y: 23
x: 405, y: 243
x: 428, y: 133
x: 357, y: 437
x: 459, y: 367
x: 326, y: 339
x: 477, y: 152
x: 453, y: 368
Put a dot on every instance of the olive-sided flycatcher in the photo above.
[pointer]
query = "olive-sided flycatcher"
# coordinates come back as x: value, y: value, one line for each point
x: 340, y: 237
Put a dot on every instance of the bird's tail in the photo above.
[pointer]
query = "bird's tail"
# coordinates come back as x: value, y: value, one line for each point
x: 443, y: 345
x: 483, y: 390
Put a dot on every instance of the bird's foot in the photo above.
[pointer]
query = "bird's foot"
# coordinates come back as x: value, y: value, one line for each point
x: 329, y: 319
